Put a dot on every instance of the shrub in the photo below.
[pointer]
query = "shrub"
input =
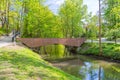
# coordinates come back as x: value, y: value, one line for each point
x: 109, y: 50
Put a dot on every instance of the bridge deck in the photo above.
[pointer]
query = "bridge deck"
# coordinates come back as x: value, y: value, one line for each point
x: 37, y: 42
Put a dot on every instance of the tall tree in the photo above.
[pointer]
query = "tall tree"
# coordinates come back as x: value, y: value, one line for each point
x: 71, y: 14
x: 112, y: 16
x: 40, y: 22
x: 92, y: 27
x: 111, y: 12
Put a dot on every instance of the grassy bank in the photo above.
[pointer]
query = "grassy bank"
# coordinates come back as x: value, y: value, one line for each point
x: 111, y: 51
x: 18, y: 63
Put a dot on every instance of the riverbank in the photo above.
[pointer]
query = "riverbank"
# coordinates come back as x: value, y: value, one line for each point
x: 20, y: 63
x: 111, y: 51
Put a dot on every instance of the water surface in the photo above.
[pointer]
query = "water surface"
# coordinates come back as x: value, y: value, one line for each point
x: 87, y: 68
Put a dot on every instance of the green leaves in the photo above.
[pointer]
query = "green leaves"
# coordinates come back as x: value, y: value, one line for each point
x: 92, y: 28
x: 111, y: 12
x: 112, y: 18
x: 39, y: 20
x: 114, y: 33
x: 71, y: 14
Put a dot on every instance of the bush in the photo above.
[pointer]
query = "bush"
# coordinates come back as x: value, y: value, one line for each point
x: 109, y: 50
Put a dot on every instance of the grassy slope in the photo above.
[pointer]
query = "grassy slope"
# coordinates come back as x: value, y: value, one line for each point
x: 23, y: 64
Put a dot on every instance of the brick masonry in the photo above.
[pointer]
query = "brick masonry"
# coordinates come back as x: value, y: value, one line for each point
x: 37, y: 42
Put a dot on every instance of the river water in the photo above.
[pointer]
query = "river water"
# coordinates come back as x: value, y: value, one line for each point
x: 87, y: 68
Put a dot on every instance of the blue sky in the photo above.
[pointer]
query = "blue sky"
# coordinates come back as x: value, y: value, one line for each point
x: 92, y: 5
x: 54, y: 4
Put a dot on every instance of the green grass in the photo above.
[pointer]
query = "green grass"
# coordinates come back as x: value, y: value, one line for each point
x: 23, y: 64
x: 111, y: 51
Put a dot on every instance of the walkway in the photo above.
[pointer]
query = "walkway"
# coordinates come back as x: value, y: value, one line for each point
x: 5, y: 41
x: 102, y: 41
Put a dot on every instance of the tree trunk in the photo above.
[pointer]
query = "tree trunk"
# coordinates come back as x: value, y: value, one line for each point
x: 115, y: 41
x: 100, y: 44
x: 99, y: 74
x: 7, y: 15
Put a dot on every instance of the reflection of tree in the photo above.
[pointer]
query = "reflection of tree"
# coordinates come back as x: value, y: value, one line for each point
x: 91, y: 75
x: 91, y: 71
x: 111, y: 74
x: 99, y: 74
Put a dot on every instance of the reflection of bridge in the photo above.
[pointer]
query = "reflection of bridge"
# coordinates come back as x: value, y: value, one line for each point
x: 37, y: 42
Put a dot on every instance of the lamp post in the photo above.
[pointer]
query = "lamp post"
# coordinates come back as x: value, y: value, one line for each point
x: 100, y: 46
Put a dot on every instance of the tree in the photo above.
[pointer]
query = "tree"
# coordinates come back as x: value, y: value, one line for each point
x: 71, y: 14
x: 92, y: 27
x: 112, y: 17
x: 4, y: 14
x: 10, y: 16
x: 111, y: 12
x: 40, y: 22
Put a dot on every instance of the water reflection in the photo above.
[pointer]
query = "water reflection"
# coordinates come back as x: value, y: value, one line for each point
x: 91, y: 71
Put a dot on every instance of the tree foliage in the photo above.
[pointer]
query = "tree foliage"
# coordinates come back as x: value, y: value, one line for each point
x: 112, y: 17
x: 92, y: 27
x: 71, y: 14
x: 111, y: 12
x: 35, y: 20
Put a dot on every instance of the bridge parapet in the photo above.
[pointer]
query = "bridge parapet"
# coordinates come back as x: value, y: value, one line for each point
x: 37, y: 42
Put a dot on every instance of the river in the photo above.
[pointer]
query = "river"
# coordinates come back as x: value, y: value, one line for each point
x: 88, y: 68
